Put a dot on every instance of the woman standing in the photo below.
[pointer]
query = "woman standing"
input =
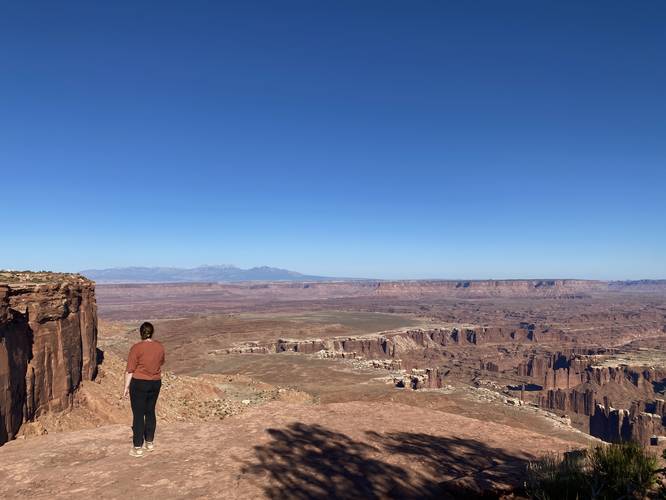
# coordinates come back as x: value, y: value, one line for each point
x: 143, y: 381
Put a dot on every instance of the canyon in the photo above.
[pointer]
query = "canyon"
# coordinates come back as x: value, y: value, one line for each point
x: 569, y: 383
x: 379, y: 374
x: 121, y: 299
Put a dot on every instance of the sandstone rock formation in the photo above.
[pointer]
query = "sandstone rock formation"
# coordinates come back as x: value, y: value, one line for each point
x: 158, y: 299
x: 573, y: 383
x: 392, y: 344
x: 492, y: 288
x: 575, y: 401
x: 611, y: 424
x: 428, y: 378
x: 48, y: 340
x: 565, y: 370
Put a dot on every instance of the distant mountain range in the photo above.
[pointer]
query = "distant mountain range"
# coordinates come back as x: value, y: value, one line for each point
x: 197, y: 274
x: 226, y: 273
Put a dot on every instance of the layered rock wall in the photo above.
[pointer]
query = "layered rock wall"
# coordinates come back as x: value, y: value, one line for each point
x: 572, y: 401
x: 570, y: 369
x: 392, y: 345
x: 492, y: 288
x: 573, y: 384
x: 48, y: 341
x: 611, y: 424
x: 118, y: 294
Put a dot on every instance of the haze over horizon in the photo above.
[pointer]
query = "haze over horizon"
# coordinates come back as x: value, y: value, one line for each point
x: 362, y: 139
x: 231, y: 273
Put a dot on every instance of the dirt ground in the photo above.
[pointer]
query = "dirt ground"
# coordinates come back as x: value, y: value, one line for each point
x: 282, y: 450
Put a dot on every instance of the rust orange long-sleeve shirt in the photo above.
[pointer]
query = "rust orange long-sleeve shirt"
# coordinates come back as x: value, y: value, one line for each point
x: 145, y: 360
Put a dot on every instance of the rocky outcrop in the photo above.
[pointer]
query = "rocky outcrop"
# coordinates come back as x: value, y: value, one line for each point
x: 301, y: 346
x: 48, y: 341
x: 573, y: 384
x: 396, y: 343
x: 572, y: 401
x: 657, y: 286
x: 429, y: 378
x: 391, y: 344
x: 554, y: 371
x: 611, y: 424
x: 556, y: 288
x: 249, y: 348
x: 639, y: 423
x: 116, y: 296
x: 570, y: 369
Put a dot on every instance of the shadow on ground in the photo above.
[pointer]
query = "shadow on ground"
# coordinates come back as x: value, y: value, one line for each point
x: 312, y: 462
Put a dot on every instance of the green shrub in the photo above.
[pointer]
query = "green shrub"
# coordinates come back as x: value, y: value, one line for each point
x: 554, y: 477
x: 604, y: 472
x: 623, y: 470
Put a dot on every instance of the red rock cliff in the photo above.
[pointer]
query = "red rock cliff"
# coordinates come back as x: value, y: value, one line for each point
x: 48, y: 340
x: 557, y: 288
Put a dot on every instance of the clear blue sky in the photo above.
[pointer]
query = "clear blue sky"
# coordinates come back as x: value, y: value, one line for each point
x: 387, y: 139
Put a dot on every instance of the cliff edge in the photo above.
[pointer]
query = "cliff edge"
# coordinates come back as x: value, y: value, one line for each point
x: 48, y: 341
x: 284, y: 451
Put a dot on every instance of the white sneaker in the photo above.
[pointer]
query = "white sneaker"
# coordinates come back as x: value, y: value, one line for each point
x: 148, y: 446
x: 136, y: 452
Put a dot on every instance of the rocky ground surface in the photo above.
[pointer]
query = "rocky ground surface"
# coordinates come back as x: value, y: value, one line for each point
x: 29, y: 277
x: 282, y: 450
x: 206, y: 398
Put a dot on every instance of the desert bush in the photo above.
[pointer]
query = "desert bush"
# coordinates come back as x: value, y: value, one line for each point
x: 604, y: 472
x: 554, y: 477
x: 624, y: 470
